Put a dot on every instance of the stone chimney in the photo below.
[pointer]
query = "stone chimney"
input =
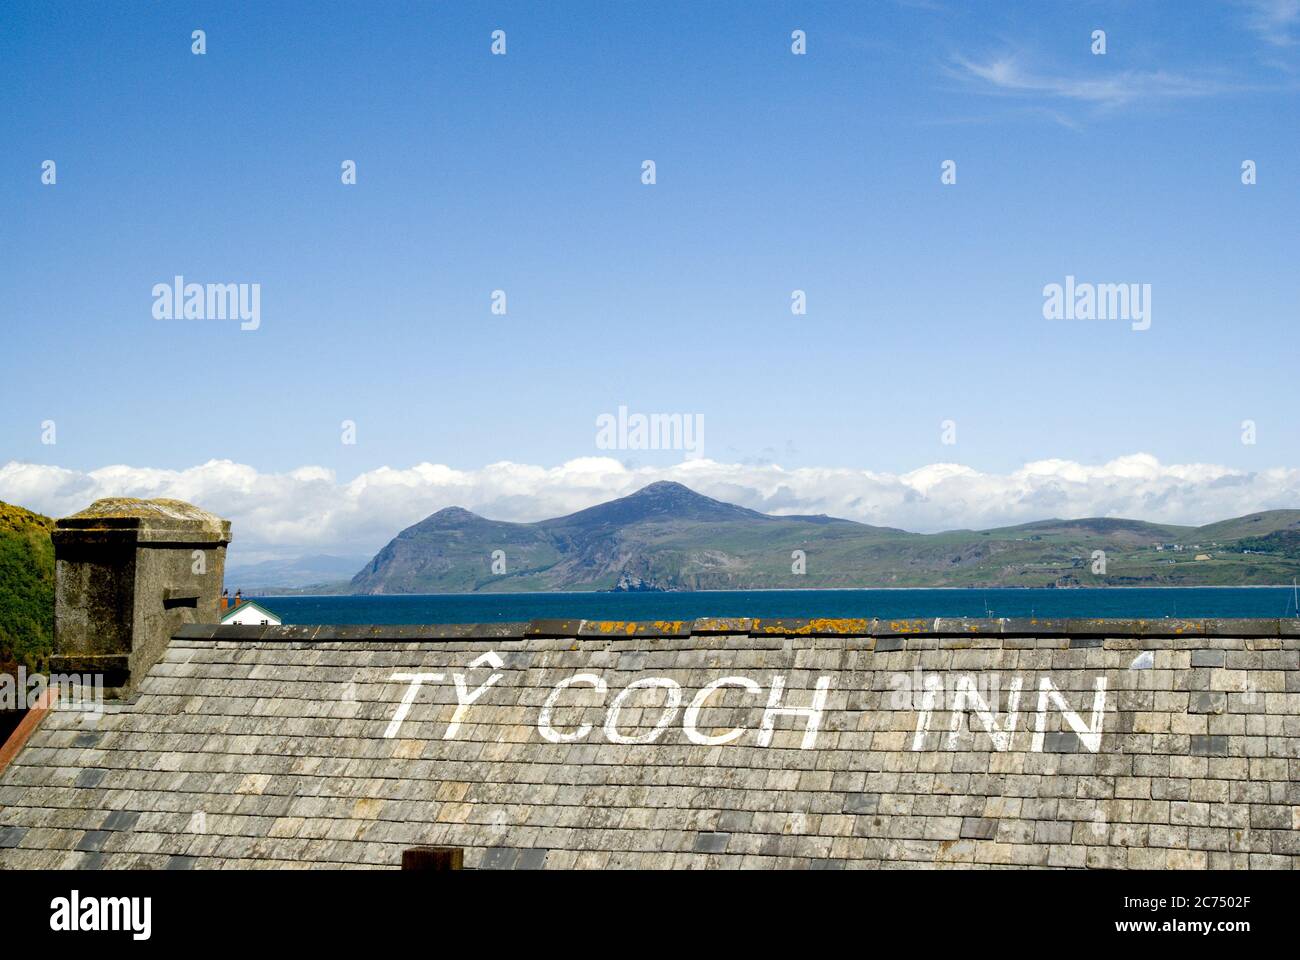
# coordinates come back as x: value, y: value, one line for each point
x: 127, y: 575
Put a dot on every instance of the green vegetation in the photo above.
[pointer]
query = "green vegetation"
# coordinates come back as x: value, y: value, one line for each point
x: 1278, y: 544
x: 26, y: 589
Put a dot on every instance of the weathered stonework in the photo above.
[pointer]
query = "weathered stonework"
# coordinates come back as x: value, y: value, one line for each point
x: 1134, y: 744
x: 128, y: 574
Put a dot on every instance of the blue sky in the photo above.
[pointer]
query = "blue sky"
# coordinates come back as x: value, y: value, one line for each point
x: 775, y: 172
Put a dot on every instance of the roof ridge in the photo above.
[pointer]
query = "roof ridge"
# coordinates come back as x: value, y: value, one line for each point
x: 956, y: 627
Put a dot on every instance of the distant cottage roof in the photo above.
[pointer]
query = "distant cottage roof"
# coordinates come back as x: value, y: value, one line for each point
x: 244, y: 605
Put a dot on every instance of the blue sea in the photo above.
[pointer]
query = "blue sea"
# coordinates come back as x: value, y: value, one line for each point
x: 1142, y: 602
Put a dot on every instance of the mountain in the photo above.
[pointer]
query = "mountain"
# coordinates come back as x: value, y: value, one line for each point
x: 668, y: 537
x: 26, y: 588
x: 295, y: 574
x: 451, y: 552
x: 663, y: 502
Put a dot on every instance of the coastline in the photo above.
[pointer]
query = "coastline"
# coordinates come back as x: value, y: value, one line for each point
x: 613, y: 593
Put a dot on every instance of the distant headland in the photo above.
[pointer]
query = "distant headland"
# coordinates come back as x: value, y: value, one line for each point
x: 668, y: 537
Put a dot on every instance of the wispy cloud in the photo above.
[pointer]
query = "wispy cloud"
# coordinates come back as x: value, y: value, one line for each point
x: 1276, y: 22
x: 1008, y: 76
x: 309, y: 510
x: 1028, y: 110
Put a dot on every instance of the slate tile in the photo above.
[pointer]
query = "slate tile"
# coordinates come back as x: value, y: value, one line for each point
x: 735, y: 821
x: 1209, y: 746
x: 981, y: 828
x: 121, y: 820
x: 500, y: 858
x: 531, y: 859
x: 90, y: 777
x: 711, y: 842
x: 1066, y: 741
x: 1208, y: 702
x: 92, y: 840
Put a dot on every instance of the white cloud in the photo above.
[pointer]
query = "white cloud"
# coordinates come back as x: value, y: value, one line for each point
x: 1007, y: 75
x: 308, y: 510
x: 1276, y: 22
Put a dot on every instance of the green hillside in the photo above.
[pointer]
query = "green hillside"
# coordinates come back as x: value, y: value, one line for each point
x: 1252, y: 525
x: 26, y: 588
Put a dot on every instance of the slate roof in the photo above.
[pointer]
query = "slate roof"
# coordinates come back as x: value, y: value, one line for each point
x: 265, y: 746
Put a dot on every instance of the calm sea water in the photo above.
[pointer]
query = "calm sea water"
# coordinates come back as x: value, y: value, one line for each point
x: 478, y: 608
